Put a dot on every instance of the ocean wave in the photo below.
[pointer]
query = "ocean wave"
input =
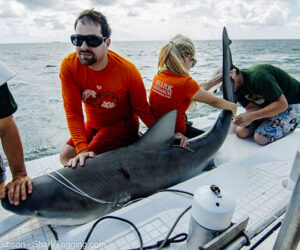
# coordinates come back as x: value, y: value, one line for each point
x: 39, y: 152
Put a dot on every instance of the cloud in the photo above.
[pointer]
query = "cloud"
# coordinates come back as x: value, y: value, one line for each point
x: 276, y: 15
x: 40, y: 21
x: 37, y: 4
x: 11, y: 9
x: 132, y: 13
x: 257, y: 13
x: 104, y: 2
x: 7, y: 13
x: 57, y: 25
x: 49, y: 22
x: 150, y: 1
x: 151, y: 19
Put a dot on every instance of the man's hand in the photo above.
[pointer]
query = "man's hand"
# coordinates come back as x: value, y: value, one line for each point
x: 182, y: 138
x: 81, y: 156
x: 232, y: 73
x: 243, y: 120
x: 19, y: 186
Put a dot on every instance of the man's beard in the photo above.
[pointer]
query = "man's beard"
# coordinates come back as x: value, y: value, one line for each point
x: 87, y: 61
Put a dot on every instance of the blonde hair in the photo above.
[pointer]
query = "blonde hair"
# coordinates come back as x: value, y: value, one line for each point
x: 173, y: 53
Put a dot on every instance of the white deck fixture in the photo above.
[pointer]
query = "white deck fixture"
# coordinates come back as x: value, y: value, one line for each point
x: 212, y: 211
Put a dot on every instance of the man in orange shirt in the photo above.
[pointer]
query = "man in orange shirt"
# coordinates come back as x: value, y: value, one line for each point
x: 110, y: 87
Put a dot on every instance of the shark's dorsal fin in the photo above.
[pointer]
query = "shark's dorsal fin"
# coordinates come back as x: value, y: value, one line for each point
x: 161, y: 134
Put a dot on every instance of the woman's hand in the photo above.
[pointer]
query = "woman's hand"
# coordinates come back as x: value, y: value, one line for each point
x: 233, y: 109
x: 182, y: 138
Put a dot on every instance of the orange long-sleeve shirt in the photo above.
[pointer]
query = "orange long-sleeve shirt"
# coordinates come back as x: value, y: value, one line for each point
x: 172, y: 91
x: 110, y: 95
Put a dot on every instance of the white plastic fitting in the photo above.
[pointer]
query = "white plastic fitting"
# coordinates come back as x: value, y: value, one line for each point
x: 212, y: 209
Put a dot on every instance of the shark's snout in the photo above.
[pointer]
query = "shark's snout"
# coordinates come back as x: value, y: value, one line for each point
x: 21, y: 209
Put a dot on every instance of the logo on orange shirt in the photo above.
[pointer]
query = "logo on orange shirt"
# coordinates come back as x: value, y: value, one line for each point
x: 101, y: 100
x: 162, y: 88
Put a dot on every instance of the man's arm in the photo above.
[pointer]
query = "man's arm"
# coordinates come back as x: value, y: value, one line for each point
x: 270, y: 110
x: 252, y: 107
x: 13, y: 150
x: 73, y: 107
x: 74, y: 115
x: 138, y: 99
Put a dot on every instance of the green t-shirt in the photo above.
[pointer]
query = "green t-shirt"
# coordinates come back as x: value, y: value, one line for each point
x: 264, y: 83
x: 7, y: 103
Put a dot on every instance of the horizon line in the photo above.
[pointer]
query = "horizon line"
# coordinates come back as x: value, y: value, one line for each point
x: 248, y: 39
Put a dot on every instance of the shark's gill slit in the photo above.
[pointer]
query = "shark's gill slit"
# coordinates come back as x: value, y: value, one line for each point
x: 125, y: 173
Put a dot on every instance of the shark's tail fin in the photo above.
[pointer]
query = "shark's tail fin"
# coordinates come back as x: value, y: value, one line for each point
x: 227, y: 66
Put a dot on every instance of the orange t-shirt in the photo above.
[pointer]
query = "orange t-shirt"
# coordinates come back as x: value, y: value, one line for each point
x: 110, y: 95
x: 171, y: 91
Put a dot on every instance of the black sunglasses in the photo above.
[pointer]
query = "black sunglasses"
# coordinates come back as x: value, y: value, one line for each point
x: 91, y: 40
x: 194, y: 61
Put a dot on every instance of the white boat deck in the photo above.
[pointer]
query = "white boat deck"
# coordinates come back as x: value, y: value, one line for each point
x: 256, y: 176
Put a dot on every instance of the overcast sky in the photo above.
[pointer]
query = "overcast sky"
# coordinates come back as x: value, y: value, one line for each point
x: 52, y: 20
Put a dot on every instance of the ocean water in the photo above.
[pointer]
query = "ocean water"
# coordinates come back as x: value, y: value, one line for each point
x: 36, y: 87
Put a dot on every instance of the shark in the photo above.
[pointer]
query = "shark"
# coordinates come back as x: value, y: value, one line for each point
x: 110, y: 180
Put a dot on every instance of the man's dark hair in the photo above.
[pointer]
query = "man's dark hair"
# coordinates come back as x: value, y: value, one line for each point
x: 94, y: 17
x: 236, y: 68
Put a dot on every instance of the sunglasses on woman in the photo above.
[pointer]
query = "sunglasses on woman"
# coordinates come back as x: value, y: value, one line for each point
x: 194, y: 61
x: 91, y: 40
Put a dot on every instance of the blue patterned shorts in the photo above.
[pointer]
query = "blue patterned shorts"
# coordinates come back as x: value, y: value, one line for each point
x: 279, y: 125
x: 2, y: 171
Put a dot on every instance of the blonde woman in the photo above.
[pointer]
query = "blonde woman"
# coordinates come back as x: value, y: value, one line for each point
x: 174, y: 88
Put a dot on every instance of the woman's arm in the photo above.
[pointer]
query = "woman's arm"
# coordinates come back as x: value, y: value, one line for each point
x: 217, y: 102
x: 211, y: 83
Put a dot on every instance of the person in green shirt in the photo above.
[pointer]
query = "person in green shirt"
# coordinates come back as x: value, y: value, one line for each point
x: 271, y: 98
x: 21, y: 184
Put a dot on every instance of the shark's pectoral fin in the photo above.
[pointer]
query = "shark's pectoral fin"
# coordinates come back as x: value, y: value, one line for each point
x: 161, y: 134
